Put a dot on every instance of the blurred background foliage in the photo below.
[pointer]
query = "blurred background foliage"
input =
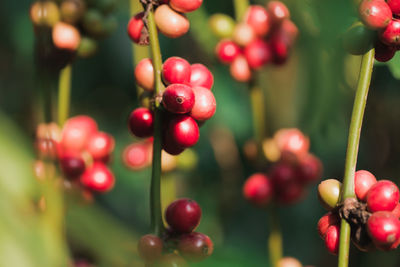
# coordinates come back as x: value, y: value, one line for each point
x: 313, y: 91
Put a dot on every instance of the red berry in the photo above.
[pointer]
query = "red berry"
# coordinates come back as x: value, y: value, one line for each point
x: 325, y: 222
x: 375, y: 14
x: 244, y: 34
x: 141, y: 122
x: 383, y: 196
x: 201, y: 76
x: 278, y: 11
x: 396, y: 211
x: 292, y: 140
x: 309, y: 168
x: 204, y: 105
x: 391, y: 34
x: 384, y: 229
x: 383, y: 52
x: 150, y: 247
x: 72, y: 165
x: 183, y: 215
x: 137, y: 155
x: 195, y: 246
x: 98, y: 178
x: 66, y: 36
x: 185, y: 6
x: 332, y: 239
x: 227, y: 51
x: 135, y: 29
x: 144, y: 74
x: 170, y: 146
x: 363, y: 181
x: 258, y: 189
x: 257, y: 53
x: 394, y: 6
x: 176, y: 70
x: 77, y: 132
x: 257, y: 17
x: 171, y: 23
x: 291, y: 194
x: 184, y: 131
x: 178, y: 98
x: 240, y: 69
x: 282, y: 175
x: 100, y: 145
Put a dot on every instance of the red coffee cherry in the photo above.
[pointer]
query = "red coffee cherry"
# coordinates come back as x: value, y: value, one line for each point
x: 363, y: 181
x: 204, y: 105
x: 282, y: 174
x: 201, y: 76
x: 144, y: 74
x: 171, y: 23
x: 77, y: 132
x: 375, y: 14
x: 176, y: 70
x: 292, y: 140
x: 183, y: 215
x: 135, y: 29
x: 240, y: 69
x: 258, y: 190
x: 185, y: 6
x: 396, y: 211
x: 394, y: 6
x: 309, y: 168
x: 178, y: 98
x: 100, y: 145
x: 195, y: 247
x: 384, y: 229
x: 227, y: 51
x: 332, y: 239
x: 292, y: 193
x: 391, y: 34
x: 278, y: 12
x: 383, y: 52
x: 184, y: 131
x: 141, y: 122
x: 170, y: 146
x: 257, y: 17
x: 72, y: 165
x: 66, y: 36
x: 325, y: 222
x: 98, y: 178
x: 137, y: 156
x: 150, y: 247
x: 244, y: 34
x: 383, y: 196
x: 257, y: 53
x: 279, y: 48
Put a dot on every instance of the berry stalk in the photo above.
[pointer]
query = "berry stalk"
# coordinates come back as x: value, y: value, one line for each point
x: 275, y: 237
x: 240, y: 8
x: 352, y: 149
x: 64, y: 94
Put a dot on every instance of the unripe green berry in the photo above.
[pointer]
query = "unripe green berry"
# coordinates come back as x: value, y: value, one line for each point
x: 329, y: 193
x: 222, y: 25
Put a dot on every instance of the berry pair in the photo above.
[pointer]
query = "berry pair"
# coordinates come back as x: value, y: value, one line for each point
x: 265, y: 35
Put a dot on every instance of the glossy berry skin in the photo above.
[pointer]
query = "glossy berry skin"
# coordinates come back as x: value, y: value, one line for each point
x: 240, y: 69
x: 258, y: 18
x: 98, y: 178
x: 141, y: 122
x: 66, y: 36
x: 184, y: 131
x: 289, y: 262
x: 183, y: 215
x: 332, y: 239
x: 195, y: 247
x: 292, y: 140
x: 100, y: 145
x: 394, y: 6
x: 222, y: 25
x: 244, y: 34
x: 278, y: 12
x: 170, y: 146
x: 375, y: 14
x: 363, y: 181
x: 309, y: 168
x: 200, y: 75
x: 257, y: 53
x: 178, y: 98
x: 227, y: 51
x: 325, y: 222
x: 176, y: 70
x: 383, y: 52
x: 391, y: 34
x: 77, y: 132
x: 137, y: 155
x: 150, y: 247
x: 144, y: 74
x: 258, y: 190
x: 185, y: 6
x: 384, y: 229
x: 383, y: 196
x: 329, y: 192
x: 205, y: 105
x: 171, y: 23
x: 72, y: 166
x: 135, y: 27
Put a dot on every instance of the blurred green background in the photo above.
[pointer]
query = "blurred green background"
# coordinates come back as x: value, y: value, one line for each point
x: 313, y: 91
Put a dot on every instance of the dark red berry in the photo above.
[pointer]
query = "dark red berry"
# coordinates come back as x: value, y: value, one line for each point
x: 383, y: 52
x: 283, y: 174
x: 363, y: 181
x: 201, y: 76
x: 72, y: 165
x: 183, y: 215
x: 258, y: 189
x: 184, y: 131
x: 150, y: 247
x: 394, y: 6
x: 375, y: 14
x: 257, y: 53
x: 185, y: 6
x: 384, y: 229
x: 195, y: 246
x: 98, y: 178
x: 258, y: 18
x: 135, y: 29
x: 170, y: 146
x: 176, y: 70
x: 227, y: 51
x: 100, y: 145
x: 332, y: 239
x: 383, y: 196
x: 278, y: 11
x: 178, y: 98
x: 141, y: 122
x: 391, y: 34
x: 292, y: 193
x: 325, y: 222
x: 205, y: 104
x: 309, y: 168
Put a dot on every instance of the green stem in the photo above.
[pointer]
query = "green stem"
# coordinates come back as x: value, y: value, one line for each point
x: 240, y: 8
x: 157, y: 224
x: 275, y: 238
x: 258, y: 110
x: 64, y: 94
x: 352, y: 149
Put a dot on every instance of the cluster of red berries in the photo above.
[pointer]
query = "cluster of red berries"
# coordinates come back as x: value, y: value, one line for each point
x: 179, y: 243
x: 187, y: 101
x: 287, y: 179
x: 374, y: 216
x: 81, y: 150
x: 264, y: 36
x: 169, y: 18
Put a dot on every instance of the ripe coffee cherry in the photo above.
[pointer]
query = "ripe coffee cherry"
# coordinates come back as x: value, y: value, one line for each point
x: 141, y: 122
x: 185, y: 6
x: 383, y: 196
x: 257, y: 53
x: 201, y: 76
x: 291, y: 194
x: 309, y: 168
x: 137, y: 155
x: 279, y: 48
x: 178, y: 98
x: 205, y: 104
x: 278, y: 12
x: 257, y: 17
x: 384, y: 53
x: 171, y: 23
x: 329, y: 192
x: 184, y: 131
x: 375, y: 14
x: 66, y: 36
x: 396, y: 211
x: 282, y: 174
x: 227, y: 51
x: 391, y: 34
x: 240, y: 69
x: 394, y: 6
x: 135, y: 29
x: 72, y: 165
x: 100, y: 145
x: 150, y: 247
x: 325, y: 222
x: 384, y: 229
x: 244, y: 34
x: 144, y: 74
x: 183, y: 215
x: 170, y: 146
x: 222, y: 25
x: 363, y: 181
x: 98, y: 178
x: 171, y: 260
x: 332, y: 239
x: 258, y: 190
x: 358, y: 39
x: 176, y: 70
x: 195, y: 246
x: 289, y: 262
x: 292, y: 140
x: 77, y: 132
